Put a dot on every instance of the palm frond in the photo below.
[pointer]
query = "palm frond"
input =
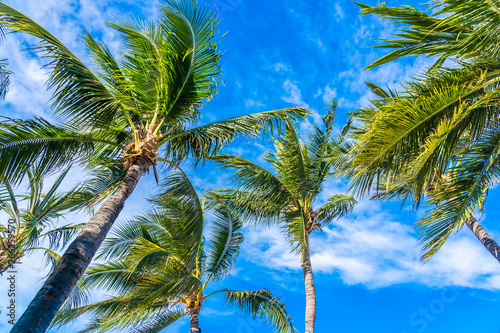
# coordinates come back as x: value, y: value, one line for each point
x: 335, y: 208
x: 263, y: 305
x: 250, y: 177
x: 423, y: 34
x: 119, y: 312
x: 225, y: 243
x: 206, y: 140
x: 423, y: 127
x: 248, y: 206
x: 103, y: 183
x: 321, y: 150
x: 178, y: 200
x: 296, y: 232
x: 159, y: 323
x: 59, y: 237
x: 78, y: 94
x: 153, y: 226
x: 24, y: 143
x: 196, y: 72
x: 4, y: 78
x: 290, y: 160
x: 468, y: 30
x: 461, y: 191
x: 113, y: 276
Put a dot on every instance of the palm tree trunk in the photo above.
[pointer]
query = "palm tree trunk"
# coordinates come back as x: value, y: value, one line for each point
x: 484, y: 237
x: 310, y: 291
x: 74, y: 262
x: 195, y: 326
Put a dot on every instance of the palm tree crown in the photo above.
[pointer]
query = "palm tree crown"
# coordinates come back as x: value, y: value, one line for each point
x: 34, y: 224
x: 151, y: 268
x: 287, y: 195
x: 437, y: 139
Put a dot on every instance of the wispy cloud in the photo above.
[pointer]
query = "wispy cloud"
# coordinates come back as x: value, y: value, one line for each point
x: 372, y: 247
x: 339, y: 12
x: 294, y: 95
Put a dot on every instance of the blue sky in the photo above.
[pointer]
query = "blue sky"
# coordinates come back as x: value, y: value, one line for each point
x: 279, y: 54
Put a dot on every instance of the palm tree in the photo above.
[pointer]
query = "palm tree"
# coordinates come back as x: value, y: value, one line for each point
x: 438, y: 138
x: 118, y: 118
x: 287, y: 194
x: 155, y: 283
x: 28, y: 228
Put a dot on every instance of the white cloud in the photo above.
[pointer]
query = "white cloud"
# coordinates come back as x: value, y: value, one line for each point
x: 329, y: 94
x: 251, y: 103
x: 318, y: 42
x: 372, y: 248
x: 318, y: 93
x: 339, y: 12
x: 280, y: 67
x: 294, y: 94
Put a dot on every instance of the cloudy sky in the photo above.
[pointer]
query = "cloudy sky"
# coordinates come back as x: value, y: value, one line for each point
x: 279, y: 54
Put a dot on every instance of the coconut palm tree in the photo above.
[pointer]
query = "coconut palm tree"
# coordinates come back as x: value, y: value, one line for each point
x: 118, y: 118
x: 437, y: 138
x: 30, y: 228
x: 155, y: 283
x: 286, y: 195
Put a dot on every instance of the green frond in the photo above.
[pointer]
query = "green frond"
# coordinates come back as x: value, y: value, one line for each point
x: 322, y: 152
x: 28, y: 142
x: 291, y: 162
x: 295, y: 230
x: 225, y: 243
x: 59, y: 237
x: 113, y: 276
x: 102, y: 184
x: 159, y: 323
x: 179, y: 200
x: 78, y: 94
x: 153, y: 226
x: 423, y: 34
x: 456, y: 195
x: 120, y: 312
x: 168, y: 282
x: 336, y: 207
x: 423, y: 127
x: 261, y: 304
x: 253, y: 178
x: 248, y: 206
x: 204, y: 141
x: 197, y: 70
x: 146, y: 254
x: 4, y: 78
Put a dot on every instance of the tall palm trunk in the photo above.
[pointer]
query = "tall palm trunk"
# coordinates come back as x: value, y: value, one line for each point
x: 75, y: 260
x: 309, y: 286
x: 484, y: 237
x: 195, y: 326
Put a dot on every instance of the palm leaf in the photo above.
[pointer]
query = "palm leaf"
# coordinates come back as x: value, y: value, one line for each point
x: 78, y: 94
x: 248, y: 206
x: 225, y: 243
x: 159, y: 323
x: 263, y: 305
x: 24, y: 143
x: 460, y: 192
x: 195, y: 76
x: 209, y: 139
